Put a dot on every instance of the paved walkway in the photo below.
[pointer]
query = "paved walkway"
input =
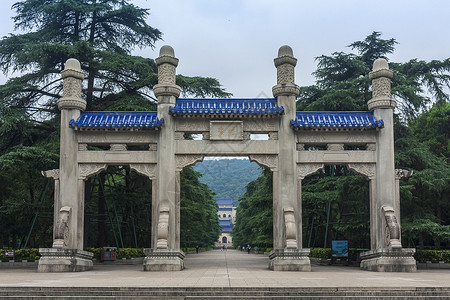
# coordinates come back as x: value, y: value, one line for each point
x: 229, y: 268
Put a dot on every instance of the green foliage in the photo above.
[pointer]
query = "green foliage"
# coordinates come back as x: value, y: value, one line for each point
x: 254, y: 217
x: 322, y: 253
x: 434, y: 256
x: 29, y: 254
x: 102, y: 36
x: 422, y: 146
x: 228, y: 177
x: 432, y: 128
x: 120, y: 252
x: 198, y: 212
x: 343, y: 83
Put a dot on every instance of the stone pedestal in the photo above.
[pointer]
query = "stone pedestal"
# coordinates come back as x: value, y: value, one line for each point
x: 163, y: 260
x: 389, y: 260
x: 64, y: 260
x: 289, y: 260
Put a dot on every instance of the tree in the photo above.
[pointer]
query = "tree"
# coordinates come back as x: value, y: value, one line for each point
x: 343, y: 82
x: 254, y: 216
x: 101, y: 34
x: 198, y: 212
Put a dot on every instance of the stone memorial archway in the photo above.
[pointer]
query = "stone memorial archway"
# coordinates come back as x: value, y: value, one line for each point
x: 226, y: 126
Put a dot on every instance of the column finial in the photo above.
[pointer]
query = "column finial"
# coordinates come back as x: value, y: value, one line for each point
x: 285, y: 64
x: 381, y: 85
x: 72, y: 83
x: 167, y: 64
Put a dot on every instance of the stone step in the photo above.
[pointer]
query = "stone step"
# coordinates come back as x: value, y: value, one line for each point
x: 221, y: 293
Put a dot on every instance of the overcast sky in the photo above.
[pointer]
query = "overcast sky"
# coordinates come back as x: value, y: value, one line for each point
x: 236, y: 41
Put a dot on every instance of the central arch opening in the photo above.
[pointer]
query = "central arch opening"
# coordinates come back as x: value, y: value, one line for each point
x: 234, y: 183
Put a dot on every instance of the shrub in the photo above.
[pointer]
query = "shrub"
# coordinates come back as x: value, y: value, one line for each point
x: 434, y: 256
x: 322, y: 253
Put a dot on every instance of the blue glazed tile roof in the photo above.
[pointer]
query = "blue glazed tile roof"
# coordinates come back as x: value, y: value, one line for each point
x: 117, y: 120
x: 226, y: 107
x: 336, y: 120
x: 224, y: 201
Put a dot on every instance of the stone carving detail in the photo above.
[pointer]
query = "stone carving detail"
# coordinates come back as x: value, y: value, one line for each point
x: 178, y: 135
x: 258, y: 125
x: 206, y: 135
x: 118, y: 147
x: 163, y: 228
x: 192, y: 125
x: 166, y: 74
x: 381, y: 87
x: 148, y: 170
x: 72, y: 87
x: 304, y: 170
x: 88, y: 170
x: 392, y: 228
x: 289, y: 223
x: 268, y: 161
x: 371, y: 147
x: 285, y: 74
x: 401, y: 173
x: 51, y: 174
x: 187, y: 160
x: 82, y: 147
x: 300, y: 147
x: 335, y: 147
x: 152, y: 147
x: 367, y: 170
x: 360, y: 137
x: 307, y: 138
x: 273, y: 135
x: 62, y: 228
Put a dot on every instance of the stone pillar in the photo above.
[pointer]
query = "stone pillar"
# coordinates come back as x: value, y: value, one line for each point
x: 388, y: 254
x: 67, y: 255
x: 169, y: 257
x: 287, y: 254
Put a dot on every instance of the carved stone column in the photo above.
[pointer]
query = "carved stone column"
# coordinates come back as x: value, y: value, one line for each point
x: 381, y: 257
x: 288, y: 254
x: 170, y: 258
x: 69, y: 257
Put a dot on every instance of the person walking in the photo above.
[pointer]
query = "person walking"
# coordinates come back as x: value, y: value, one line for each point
x: 248, y: 249
x: 196, y: 249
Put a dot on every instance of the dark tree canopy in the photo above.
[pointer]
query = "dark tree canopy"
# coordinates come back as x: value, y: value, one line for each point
x: 335, y: 200
x: 101, y: 34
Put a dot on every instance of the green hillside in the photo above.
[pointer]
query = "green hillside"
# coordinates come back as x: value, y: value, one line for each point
x: 228, y: 177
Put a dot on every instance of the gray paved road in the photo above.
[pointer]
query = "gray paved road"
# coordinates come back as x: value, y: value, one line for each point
x: 222, y: 269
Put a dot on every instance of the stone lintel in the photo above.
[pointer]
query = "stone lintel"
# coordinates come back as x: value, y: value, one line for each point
x: 165, y: 260
x: 106, y: 137
x: 118, y: 157
x: 226, y: 148
x: 352, y: 137
x: 64, y: 260
x: 290, y: 260
x: 389, y: 260
x: 336, y: 157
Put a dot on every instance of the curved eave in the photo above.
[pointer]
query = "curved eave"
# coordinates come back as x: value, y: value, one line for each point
x: 336, y: 121
x: 116, y: 121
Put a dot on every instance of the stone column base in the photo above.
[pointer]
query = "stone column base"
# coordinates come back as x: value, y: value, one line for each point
x: 290, y: 260
x: 389, y: 260
x: 163, y: 260
x: 64, y: 260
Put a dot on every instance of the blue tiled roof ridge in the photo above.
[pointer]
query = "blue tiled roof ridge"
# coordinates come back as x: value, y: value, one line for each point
x: 336, y: 120
x: 117, y: 120
x: 226, y: 106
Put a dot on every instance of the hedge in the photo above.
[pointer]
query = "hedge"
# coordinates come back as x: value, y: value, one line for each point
x: 422, y: 256
x: 30, y: 254
x: 434, y: 256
